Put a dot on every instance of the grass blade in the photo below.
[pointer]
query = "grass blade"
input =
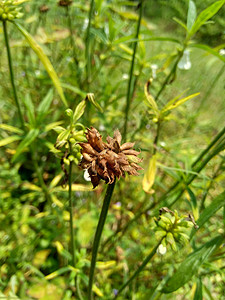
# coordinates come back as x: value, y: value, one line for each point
x: 45, y: 61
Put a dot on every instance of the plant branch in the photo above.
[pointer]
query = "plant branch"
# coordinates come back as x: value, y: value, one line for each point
x: 12, y: 74
x: 98, y: 234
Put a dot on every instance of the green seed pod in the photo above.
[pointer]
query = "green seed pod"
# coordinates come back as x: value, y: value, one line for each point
x: 4, y: 16
x: 160, y: 234
x: 163, y: 225
x: 10, y: 17
x: 170, y: 238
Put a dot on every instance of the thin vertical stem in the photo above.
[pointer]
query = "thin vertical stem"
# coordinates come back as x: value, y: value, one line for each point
x: 12, y: 74
x: 72, y: 241
x: 87, y: 50
x: 142, y: 266
x: 72, y: 43
x: 168, y: 78
x: 98, y: 234
x: 128, y: 99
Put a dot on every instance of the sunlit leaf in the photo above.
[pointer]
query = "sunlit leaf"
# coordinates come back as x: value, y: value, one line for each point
x: 97, y: 291
x: 192, y: 13
x: 11, y: 128
x: 9, y: 140
x: 173, y: 103
x: 40, y: 257
x: 79, y: 111
x: 149, y: 177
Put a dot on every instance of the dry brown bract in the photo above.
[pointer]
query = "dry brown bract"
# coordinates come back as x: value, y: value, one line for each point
x: 108, y: 160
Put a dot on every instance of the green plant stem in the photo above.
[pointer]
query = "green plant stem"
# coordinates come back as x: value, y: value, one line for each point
x: 142, y: 266
x: 98, y: 234
x: 12, y: 74
x: 129, y: 88
x: 72, y: 241
x: 72, y: 43
x: 87, y: 50
x: 172, y: 73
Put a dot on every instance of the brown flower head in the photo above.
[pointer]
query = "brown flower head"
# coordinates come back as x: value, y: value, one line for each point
x: 65, y: 2
x: 109, y: 160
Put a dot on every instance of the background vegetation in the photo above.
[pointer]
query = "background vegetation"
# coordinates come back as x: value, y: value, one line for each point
x: 62, y: 54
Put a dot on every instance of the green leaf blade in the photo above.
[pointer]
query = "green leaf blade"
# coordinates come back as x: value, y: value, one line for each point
x: 29, y: 138
x: 192, y: 13
x: 45, y: 61
x: 204, y: 16
x: 190, y: 265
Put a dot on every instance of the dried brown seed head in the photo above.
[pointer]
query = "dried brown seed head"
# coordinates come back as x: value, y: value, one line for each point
x: 110, y: 160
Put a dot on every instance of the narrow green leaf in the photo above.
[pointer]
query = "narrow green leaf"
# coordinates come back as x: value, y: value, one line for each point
x: 204, y: 16
x: 60, y: 272
x: 193, y: 201
x: 209, y: 50
x: 190, y: 265
x: 52, y: 125
x: 29, y: 138
x: 192, y: 13
x: 210, y: 210
x: 45, y: 61
x: 178, y: 21
x: 11, y: 128
x: 79, y: 111
x: 43, y: 107
x: 198, y: 291
x: 9, y: 140
x: 171, y: 104
x: 30, y: 109
x: 74, y: 89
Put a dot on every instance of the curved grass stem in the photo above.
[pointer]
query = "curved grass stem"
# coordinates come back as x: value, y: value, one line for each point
x: 142, y: 266
x: 98, y: 234
x: 12, y: 73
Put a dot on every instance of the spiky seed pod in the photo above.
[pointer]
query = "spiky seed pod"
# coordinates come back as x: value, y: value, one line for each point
x: 110, y: 160
x: 173, y: 228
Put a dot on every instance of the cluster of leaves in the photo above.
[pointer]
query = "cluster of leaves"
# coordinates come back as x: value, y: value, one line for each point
x: 89, y: 47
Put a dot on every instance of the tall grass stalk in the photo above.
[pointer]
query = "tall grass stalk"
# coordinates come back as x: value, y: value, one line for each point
x: 72, y: 240
x: 98, y: 234
x: 12, y: 74
x: 72, y: 44
x: 130, y: 86
x: 88, y: 37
